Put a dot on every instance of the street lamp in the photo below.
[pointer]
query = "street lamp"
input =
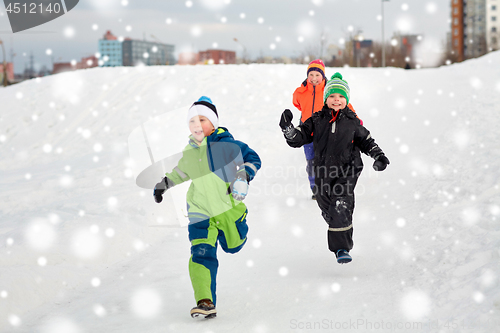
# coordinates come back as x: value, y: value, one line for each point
x: 5, y: 82
x: 244, y: 50
x: 383, y: 38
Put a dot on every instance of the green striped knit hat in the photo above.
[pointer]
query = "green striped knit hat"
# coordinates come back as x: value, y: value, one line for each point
x: 337, y: 85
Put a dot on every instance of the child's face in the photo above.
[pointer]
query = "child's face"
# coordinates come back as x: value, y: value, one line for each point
x: 314, y: 77
x: 200, y: 127
x: 336, y: 102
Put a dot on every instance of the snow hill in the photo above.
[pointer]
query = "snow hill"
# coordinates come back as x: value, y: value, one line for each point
x: 84, y: 249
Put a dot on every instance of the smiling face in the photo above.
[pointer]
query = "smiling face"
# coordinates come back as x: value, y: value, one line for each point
x: 314, y: 78
x: 336, y: 101
x: 200, y: 127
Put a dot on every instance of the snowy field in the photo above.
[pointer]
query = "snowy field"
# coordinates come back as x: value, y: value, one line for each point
x: 84, y: 249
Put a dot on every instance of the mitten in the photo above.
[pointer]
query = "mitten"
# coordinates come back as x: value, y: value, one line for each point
x: 239, y: 186
x: 160, y: 188
x: 381, y: 162
x: 286, y: 124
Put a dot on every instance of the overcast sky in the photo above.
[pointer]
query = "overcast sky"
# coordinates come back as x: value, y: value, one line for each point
x: 262, y: 27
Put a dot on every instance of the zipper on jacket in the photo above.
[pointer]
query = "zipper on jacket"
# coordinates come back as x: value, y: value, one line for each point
x: 314, y: 99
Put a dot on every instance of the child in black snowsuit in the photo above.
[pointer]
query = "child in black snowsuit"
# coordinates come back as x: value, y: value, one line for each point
x: 337, y: 137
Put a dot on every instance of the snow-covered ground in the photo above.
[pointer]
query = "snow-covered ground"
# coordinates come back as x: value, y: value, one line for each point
x: 84, y: 249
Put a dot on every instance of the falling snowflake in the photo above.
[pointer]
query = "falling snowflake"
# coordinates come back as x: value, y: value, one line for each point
x: 290, y: 202
x: 283, y: 271
x: 336, y: 287
x: 42, y: 261
x: 256, y: 243
x: 99, y: 310
x: 416, y: 305
x: 306, y: 29
x: 86, y: 244
x: 478, y: 297
x: 196, y: 31
x: 66, y: 181
x: 40, y: 235
x: 69, y: 32
x: 461, y: 138
x: 297, y: 231
x: 14, y: 320
x: 476, y: 83
x: 471, y: 216
x: 59, y: 325
x: 404, y: 149
x: 400, y: 222
x: 95, y: 282
x: 110, y: 232
x: 146, y: 303
x: 431, y: 8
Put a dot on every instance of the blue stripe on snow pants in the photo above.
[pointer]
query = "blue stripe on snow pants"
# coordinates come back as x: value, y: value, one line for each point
x: 309, y: 152
x: 230, y: 230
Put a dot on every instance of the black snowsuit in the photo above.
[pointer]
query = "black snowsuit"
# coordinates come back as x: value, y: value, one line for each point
x: 337, y: 137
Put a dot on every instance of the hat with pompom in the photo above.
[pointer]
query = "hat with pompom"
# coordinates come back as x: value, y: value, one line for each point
x: 337, y: 85
x: 204, y: 107
x: 317, y: 65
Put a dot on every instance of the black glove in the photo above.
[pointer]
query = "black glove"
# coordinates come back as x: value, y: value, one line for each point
x: 381, y: 162
x: 161, y: 188
x: 286, y: 124
x: 286, y: 119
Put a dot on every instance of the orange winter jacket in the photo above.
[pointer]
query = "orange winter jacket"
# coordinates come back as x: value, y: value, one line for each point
x: 308, y: 99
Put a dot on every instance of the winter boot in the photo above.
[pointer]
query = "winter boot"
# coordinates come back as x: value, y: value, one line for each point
x: 204, y: 309
x: 343, y: 257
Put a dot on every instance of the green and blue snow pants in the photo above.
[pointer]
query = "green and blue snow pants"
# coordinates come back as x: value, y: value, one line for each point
x: 230, y: 230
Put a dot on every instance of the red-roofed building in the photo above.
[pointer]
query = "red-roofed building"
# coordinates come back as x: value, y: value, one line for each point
x: 87, y: 62
x: 9, y: 68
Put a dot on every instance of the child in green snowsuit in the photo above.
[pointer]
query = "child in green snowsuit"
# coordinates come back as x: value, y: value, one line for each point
x: 220, y: 169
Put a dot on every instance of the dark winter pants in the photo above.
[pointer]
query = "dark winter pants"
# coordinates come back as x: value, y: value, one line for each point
x: 336, y: 200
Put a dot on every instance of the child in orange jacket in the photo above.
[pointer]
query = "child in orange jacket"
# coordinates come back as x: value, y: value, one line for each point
x: 308, y: 99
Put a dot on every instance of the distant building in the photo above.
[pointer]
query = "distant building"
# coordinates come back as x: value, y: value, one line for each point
x: 217, y: 57
x: 208, y: 57
x: 88, y: 62
x: 131, y: 52
x: 188, y: 58
x: 469, y: 26
x: 475, y: 33
x: 407, y: 44
x: 9, y: 68
x: 493, y: 25
x: 110, y: 49
x: 148, y: 53
x: 361, y: 52
x: 457, y: 28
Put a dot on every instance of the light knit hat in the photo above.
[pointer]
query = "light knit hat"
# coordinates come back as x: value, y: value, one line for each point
x: 337, y: 85
x: 204, y: 107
